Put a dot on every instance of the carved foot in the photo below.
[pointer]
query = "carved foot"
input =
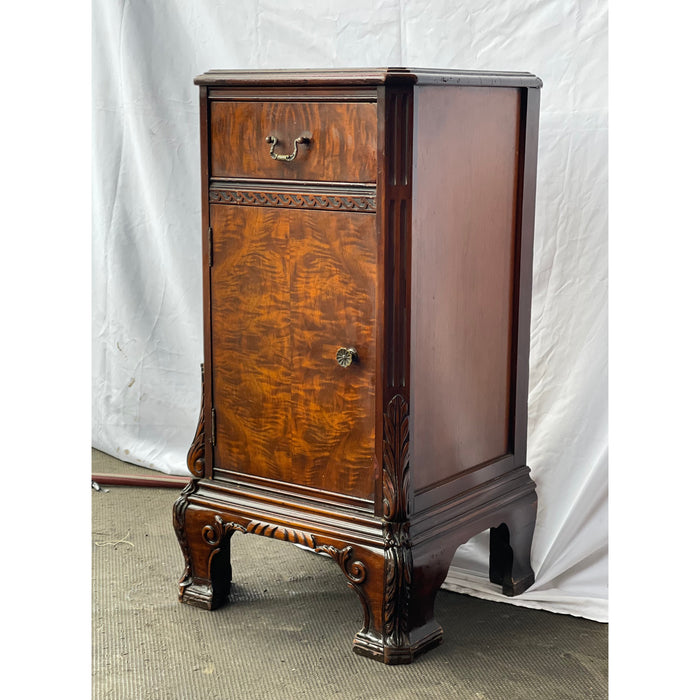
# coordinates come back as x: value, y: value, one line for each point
x: 376, y: 646
x: 204, y: 540
x: 510, y: 544
x: 400, y: 587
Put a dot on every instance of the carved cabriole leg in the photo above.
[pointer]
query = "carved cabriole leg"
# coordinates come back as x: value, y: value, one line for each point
x: 510, y: 545
x: 204, y: 539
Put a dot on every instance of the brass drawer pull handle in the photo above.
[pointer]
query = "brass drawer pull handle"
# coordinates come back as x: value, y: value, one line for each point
x: 346, y: 356
x: 290, y: 156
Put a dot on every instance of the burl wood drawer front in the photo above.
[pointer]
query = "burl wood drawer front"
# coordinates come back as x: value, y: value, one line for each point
x: 342, y: 142
x: 289, y: 287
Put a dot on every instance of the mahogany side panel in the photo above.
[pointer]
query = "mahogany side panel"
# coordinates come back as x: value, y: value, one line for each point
x: 463, y: 242
x: 342, y: 146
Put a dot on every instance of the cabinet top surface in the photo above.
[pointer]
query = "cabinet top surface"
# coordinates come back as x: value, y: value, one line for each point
x: 367, y: 76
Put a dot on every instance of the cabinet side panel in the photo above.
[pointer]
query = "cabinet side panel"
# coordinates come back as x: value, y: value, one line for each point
x: 463, y: 241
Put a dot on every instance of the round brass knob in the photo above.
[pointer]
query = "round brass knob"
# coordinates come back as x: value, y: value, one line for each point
x: 345, y: 356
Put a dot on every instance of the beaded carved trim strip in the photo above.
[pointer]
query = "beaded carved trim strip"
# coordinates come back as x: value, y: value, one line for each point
x: 340, y: 202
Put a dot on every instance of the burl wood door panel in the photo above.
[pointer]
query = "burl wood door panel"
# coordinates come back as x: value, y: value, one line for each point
x: 289, y: 287
x: 342, y: 146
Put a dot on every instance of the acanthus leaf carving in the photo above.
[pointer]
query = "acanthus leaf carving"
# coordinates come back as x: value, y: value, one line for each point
x: 213, y: 533
x: 398, y: 567
x: 195, y: 455
x: 355, y: 571
x: 179, y: 508
x: 396, y: 472
x: 398, y: 558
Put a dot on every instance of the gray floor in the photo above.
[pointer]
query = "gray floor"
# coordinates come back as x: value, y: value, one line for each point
x: 287, y: 630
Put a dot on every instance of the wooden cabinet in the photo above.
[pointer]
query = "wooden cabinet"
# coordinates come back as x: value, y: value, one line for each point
x: 367, y: 264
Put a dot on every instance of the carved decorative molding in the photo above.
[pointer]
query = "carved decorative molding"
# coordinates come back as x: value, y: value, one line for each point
x: 281, y: 533
x: 214, y: 533
x: 353, y: 569
x: 398, y: 565
x: 195, y: 455
x: 179, y: 509
x: 396, y: 481
x: 344, y: 202
x: 398, y: 559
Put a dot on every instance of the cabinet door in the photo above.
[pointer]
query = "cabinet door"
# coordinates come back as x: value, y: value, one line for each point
x: 289, y: 287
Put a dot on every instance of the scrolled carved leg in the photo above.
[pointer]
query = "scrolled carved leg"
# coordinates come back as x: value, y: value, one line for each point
x: 204, y: 539
x: 510, y: 545
x: 400, y: 586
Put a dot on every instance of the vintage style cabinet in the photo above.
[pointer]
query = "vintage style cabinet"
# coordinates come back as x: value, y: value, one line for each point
x: 367, y: 261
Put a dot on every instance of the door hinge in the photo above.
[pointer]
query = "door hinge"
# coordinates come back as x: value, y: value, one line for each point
x: 211, y: 247
x: 213, y: 426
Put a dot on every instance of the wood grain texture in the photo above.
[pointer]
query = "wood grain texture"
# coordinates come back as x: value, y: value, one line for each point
x: 462, y: 278
x: 289, y: 288
x: 251, y: 340
x: 343, y: 143
x: 333, y: 298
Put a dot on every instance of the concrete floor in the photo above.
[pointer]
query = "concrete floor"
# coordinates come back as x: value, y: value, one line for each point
x: 287, y: 630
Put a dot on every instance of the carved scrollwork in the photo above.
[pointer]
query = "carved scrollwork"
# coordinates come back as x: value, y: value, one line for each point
x: 350, y: 202
x: 396, y: 482
x: 179, y: 509
x: 398, y: 565
x: 281, y: 533
x: 195, y: 455
x: 398, y: 559
x: 214, y: 532
x: 354, y: 570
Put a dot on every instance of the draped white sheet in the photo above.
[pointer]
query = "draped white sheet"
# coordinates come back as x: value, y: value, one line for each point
x: 146, y: 274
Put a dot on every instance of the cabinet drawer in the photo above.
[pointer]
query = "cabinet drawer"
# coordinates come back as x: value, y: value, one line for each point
x: 341, y: 147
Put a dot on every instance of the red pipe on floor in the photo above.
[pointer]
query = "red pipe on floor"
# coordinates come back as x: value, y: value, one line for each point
x: 163, y: 480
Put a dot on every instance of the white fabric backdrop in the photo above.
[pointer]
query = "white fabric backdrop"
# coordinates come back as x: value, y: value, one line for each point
x: 146, y: 277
